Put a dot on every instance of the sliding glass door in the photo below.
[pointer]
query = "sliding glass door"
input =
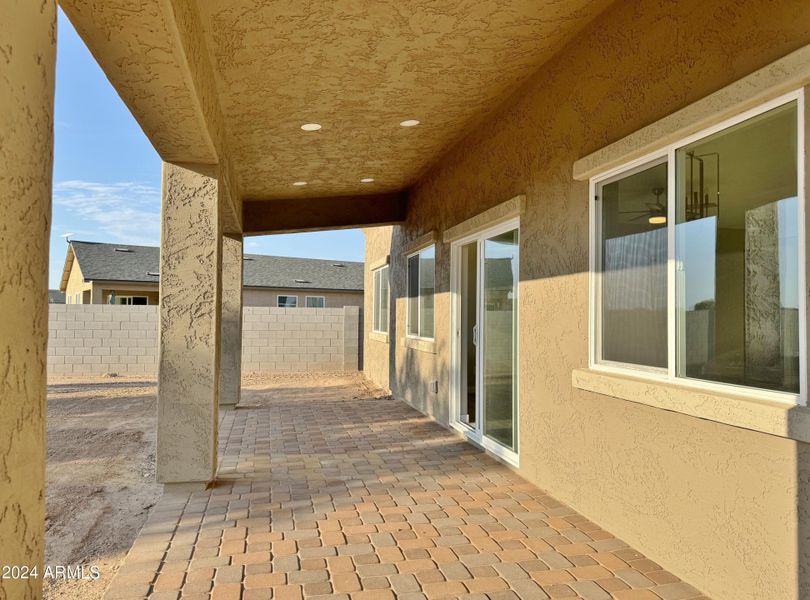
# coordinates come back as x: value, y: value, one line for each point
x: 486, y: 275
x: 499, y: 312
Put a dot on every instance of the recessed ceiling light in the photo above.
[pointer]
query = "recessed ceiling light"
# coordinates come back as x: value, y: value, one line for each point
x: 311, y: 126
x: 367, y: 180
x: 299, y: 183
x: 410, y: 123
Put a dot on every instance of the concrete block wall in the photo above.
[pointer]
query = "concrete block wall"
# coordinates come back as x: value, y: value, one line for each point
x: 93, y: 339
x: 298, y: 339
x: 87, y: 339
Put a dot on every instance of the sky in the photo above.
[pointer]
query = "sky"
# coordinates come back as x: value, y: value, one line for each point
x: 106, y: 177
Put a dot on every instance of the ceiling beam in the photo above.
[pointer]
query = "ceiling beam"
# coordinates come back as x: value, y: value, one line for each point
x: 155, y: 55
x: 262, y: 217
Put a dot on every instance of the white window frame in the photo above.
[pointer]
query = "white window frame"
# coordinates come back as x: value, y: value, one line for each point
x: 667, y: 154
x: 306, y: 301
x: 383, y: 271
x: 278, y: 298
x: 419, y: 287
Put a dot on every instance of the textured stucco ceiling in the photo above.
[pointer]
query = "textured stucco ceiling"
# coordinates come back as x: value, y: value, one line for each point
x: 358, y: 67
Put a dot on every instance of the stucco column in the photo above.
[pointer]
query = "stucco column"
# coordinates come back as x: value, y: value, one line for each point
x: 27, y: 37
x: 230, y: 373
x: 190, y: 308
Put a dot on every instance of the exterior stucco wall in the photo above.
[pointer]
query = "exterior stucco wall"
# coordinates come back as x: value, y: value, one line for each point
x: 28, y: 42
x: 268, y: 297
x: 75, y: 284
x: 714, y: 503
x: 376, y: 359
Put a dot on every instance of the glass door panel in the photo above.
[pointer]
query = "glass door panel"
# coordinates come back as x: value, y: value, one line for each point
x: 498, y: 348
x: 468, y: 319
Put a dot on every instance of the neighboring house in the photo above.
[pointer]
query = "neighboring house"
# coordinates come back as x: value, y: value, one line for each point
x: 56, y: 297
x: 96, y: 273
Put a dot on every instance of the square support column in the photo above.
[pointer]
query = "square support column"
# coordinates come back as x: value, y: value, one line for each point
x: 28, y: 39
x: 230, y: 374
x: 190, y: 312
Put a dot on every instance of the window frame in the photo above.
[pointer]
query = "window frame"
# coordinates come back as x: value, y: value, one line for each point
x: 418, y: 335
x: 286, y: 296
x: 306, y: 300
x: 376, y: 300
x: 666, y: 154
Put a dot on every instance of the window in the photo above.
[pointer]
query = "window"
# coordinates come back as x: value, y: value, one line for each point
x: 421, y: 273
x: 78, y: 299
x: 697, y: 258
x: 132, y: 300
x: 380, y: 299
x: 288, y: 301
x: 315, y: 301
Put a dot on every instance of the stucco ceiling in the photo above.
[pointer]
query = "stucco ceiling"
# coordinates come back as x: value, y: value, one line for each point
x: 357, y: 67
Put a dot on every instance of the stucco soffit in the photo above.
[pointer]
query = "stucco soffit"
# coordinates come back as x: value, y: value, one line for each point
x: 784, y: 75
x: 140, y: 53
x: 514, y: 207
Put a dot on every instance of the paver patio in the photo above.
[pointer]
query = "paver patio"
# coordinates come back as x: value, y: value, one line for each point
x: 325, y: 492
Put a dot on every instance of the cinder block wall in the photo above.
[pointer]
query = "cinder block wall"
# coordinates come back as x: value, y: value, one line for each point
x: 299, y: 339
x: 87, y: 339
x: 93, y: 339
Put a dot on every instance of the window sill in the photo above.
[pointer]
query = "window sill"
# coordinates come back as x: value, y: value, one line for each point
x: 378, y: 336
x: 420, y: 344
x: 775, y: 418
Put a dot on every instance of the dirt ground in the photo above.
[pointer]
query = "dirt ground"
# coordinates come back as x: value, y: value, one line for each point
x: 100, y: 476
x: 100, y: 473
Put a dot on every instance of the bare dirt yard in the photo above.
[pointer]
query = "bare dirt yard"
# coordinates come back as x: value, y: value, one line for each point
x: 100, y: 474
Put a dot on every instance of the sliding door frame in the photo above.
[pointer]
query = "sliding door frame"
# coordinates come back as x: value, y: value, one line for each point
x: 475, y: 434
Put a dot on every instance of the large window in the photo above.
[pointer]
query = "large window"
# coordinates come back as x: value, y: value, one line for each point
x: 288, y: 301
x: 380, y: 300
x: 421, y: 274
x: 697, y: 257
x: 315, y: 301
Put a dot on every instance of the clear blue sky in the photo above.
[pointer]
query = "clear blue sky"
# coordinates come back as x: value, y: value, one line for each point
x: 106, y: 177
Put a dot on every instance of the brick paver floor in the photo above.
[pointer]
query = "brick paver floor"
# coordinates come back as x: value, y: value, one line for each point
x: 334, y: 492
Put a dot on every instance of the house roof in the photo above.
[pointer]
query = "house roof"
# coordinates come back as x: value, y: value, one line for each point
x: 56, y: 297
x: 141, y: 264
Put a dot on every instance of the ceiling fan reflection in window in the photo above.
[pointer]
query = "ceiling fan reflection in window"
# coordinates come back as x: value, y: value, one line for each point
x: 655, y: 213
x: 697, y: 203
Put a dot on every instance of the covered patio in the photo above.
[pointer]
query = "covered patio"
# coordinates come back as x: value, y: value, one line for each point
x: 447, y: 130
x: 324, y: 492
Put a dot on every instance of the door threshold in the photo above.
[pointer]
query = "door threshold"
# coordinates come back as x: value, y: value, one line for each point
x: 498, y: 451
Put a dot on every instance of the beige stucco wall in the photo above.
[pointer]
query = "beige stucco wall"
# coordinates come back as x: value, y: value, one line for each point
x: 76, y: 284
x: 28, y: 39
x: 377, y: 348
x: 715, y: 503
x: 268, y: 297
